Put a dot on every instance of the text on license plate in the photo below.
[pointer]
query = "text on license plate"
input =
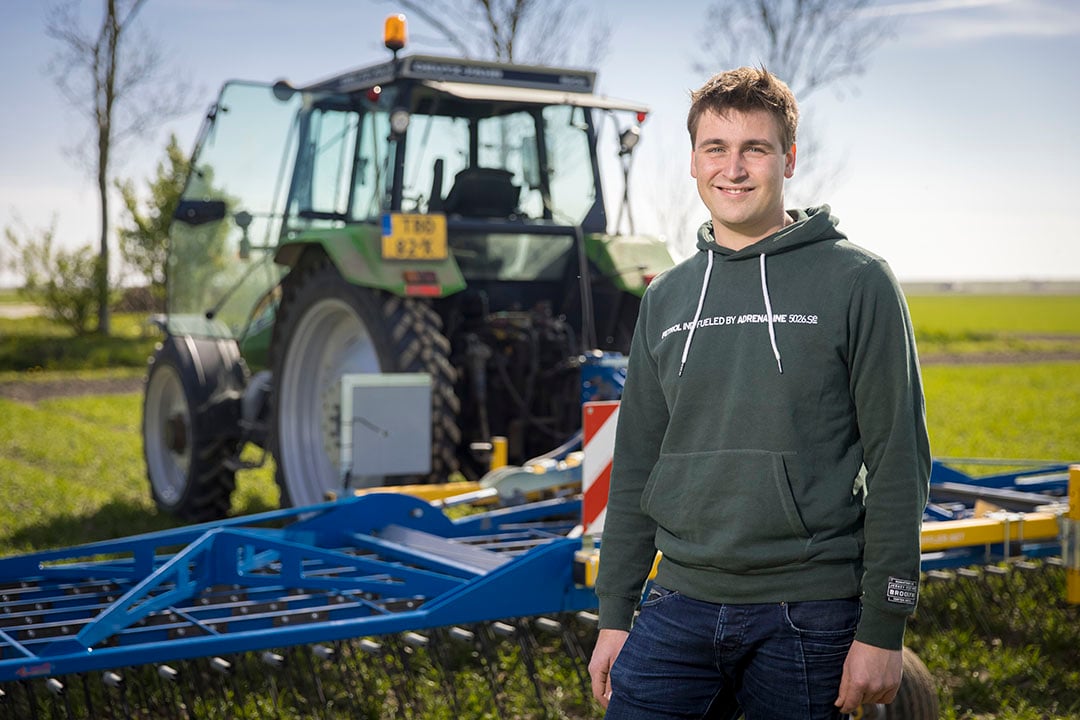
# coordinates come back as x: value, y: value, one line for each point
x: 410, y: 236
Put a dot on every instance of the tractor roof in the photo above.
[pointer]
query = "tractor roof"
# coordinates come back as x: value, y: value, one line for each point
x: 480, y: 80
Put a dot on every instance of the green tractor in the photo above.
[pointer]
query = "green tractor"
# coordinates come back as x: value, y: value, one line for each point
x: 372, y: 276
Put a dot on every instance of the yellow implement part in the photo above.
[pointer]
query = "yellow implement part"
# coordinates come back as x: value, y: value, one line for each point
x: 1070, y: 541
x: 988, y: 530
x: 430, y: 493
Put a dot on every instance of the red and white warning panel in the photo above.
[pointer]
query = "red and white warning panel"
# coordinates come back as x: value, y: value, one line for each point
x: 598, y: 425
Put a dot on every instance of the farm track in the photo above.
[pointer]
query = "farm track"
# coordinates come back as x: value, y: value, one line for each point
x: 32, y: 391
x: 994, y: 358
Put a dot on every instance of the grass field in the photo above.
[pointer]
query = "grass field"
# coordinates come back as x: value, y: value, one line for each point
x: 71, y: 471
x: 37, y: 343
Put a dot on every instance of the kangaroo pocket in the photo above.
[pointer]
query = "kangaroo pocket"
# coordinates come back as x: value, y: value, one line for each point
x: 733, y: 510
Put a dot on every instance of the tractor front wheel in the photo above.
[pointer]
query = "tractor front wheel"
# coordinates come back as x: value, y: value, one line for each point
x: 191, y: 425
x: 326, y: 328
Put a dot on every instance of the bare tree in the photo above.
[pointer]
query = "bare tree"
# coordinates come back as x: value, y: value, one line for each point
x: 547, y: 32
x: 810, y: 44
x: 120, y: 85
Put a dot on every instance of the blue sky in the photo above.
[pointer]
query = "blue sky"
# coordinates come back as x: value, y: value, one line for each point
x: 956, y: 151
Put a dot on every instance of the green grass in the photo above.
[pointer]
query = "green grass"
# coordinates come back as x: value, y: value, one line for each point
x: 1025, y: 314
x: 37, y: 343
x: 1029, y: 410
x: 71, y: 471
x: 10, y: 296
x: 996, y: 324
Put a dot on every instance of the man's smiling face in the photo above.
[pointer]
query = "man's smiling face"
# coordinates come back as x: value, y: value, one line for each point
x: 740, y: 165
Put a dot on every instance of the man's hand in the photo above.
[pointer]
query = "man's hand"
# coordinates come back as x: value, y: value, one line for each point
x: 871, y: 675
x: 608, y: 645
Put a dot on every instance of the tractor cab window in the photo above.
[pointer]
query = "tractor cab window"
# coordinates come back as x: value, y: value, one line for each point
x: 487, y: 160
x: 568, y: 163
x: 344, y: 162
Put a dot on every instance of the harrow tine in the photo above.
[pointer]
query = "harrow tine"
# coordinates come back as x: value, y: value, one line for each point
x: 481, y: 651
x: 273, y: 661
x: 86, y: 695
x: 571, y: 646
x: 437, y: 652
x: 396, y: 667
x: 318, y: 652
x: 525, y: 647
x: 410, y: 644
x: 31, y: 699
x: 350, y: 676
x: 115, y: 681
x: 225, y: 669
x: 59, y: 690
x: 395, y: 675
x: 168, y: 681
x: 139, y: 691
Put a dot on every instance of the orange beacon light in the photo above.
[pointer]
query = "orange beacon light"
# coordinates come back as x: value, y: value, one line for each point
x: 394, y: 32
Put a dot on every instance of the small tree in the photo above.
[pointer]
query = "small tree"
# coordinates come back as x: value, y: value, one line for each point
x: 121, y: 86
x: 64, y: 282
x: 144, y: 231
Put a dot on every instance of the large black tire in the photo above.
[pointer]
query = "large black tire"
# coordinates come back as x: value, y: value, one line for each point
x: 917, y: 697
x: 191, y: 428
x: 327, y: 327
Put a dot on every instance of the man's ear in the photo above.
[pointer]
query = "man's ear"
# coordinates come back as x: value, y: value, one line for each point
x: 789, y: 162
x: 693, y: 166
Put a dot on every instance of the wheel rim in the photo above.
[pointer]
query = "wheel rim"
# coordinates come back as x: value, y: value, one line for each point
x: 330, y: 340
x: 168, y: 416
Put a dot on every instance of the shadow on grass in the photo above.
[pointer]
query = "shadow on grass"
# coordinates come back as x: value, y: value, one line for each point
x: 116, y: 519
x: 32, y: 352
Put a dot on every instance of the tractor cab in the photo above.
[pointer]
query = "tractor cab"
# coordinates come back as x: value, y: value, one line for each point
x: 463, y: 172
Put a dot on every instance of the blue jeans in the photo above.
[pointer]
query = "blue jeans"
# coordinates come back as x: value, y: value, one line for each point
x: 687, y: 658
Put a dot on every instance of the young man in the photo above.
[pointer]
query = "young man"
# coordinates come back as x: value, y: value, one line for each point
x: 771, y: 445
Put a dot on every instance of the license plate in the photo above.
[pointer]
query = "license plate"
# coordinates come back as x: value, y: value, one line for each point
x: 410, y: 236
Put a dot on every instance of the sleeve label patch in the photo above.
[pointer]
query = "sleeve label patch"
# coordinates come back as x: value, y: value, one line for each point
x: 902, y: 592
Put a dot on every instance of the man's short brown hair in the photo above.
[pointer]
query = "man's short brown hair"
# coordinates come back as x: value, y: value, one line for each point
x: 746, y: 89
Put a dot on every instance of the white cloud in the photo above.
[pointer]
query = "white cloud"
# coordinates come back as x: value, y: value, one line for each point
x: 935, y: 22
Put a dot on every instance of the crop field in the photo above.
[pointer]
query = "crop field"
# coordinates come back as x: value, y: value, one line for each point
x: 1002, y: 379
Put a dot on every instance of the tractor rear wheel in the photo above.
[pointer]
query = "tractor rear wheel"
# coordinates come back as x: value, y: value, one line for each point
x: 915, y: 700
x: 190, y: 425
x: 327, y: 327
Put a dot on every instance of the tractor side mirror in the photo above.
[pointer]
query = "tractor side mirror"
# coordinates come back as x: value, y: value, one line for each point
x: 199, y: 212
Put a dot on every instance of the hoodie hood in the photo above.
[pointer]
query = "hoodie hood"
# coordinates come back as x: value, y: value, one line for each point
x: 808, y: 227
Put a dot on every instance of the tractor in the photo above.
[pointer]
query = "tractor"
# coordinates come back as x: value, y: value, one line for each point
x: 373, y: 275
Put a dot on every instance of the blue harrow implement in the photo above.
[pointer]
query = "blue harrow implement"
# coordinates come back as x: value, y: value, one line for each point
x: 354, y: 595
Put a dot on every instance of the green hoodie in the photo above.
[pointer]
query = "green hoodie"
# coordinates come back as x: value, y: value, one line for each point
x: 771, y: 439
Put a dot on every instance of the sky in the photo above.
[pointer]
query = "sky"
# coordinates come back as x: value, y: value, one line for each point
x: 953, y: 156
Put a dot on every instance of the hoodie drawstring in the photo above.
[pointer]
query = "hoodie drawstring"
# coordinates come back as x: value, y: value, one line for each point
x: 701, y: 303
x: 697, y: 313
x: 768, y: 313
